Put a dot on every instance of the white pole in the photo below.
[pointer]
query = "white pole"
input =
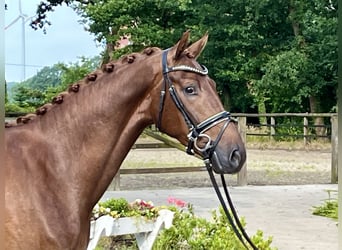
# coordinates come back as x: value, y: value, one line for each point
x: 23, y: 57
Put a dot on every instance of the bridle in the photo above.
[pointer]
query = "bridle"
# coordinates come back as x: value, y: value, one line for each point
x: 196, y: 132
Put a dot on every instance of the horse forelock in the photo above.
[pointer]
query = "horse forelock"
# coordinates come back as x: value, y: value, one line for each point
x: 74, y: 88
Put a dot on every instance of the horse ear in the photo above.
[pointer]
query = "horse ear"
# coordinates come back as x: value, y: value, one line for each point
x: 196, y: 48
x: 182, y: 44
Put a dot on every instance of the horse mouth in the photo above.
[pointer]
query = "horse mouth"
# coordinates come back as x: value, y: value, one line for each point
x: 230, y: 163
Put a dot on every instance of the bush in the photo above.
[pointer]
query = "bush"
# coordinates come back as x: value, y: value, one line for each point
x: 191, y: 232
x: 14, y: 108
x: 329, y: 208
x: 187, y: 232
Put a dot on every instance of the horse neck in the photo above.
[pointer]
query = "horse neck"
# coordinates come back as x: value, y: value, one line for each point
x: 94, y: 130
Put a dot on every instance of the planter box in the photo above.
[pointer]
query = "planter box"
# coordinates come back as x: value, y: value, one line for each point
x: 145, y: 231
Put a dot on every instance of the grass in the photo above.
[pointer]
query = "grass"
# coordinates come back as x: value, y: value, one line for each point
x: 329, y: 208
x: 258, y: 142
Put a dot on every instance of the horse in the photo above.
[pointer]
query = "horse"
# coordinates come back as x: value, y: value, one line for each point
x: 61, y: 159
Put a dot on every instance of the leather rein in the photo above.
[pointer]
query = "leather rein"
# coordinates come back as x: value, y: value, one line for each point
x: 196, y: 131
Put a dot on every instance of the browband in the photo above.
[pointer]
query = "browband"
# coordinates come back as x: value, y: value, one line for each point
x: 166, y: 69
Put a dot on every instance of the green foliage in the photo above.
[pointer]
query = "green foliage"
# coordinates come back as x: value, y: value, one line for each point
x: 188, y: 231
x: 119, y: 205
x: 191, y: 232
x: 27, y: 97
x: 71, y: 73
x: 121, y: 208
x: 47, y: 76
x: 47, y: 83
x: 148, y: 23
x: 281, y: 55
x: 15, y: 108
x: 299, y: 75
x: 284, y: 75
x: 329, y: 208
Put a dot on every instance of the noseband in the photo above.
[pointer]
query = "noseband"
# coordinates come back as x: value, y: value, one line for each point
x: 196, y: 132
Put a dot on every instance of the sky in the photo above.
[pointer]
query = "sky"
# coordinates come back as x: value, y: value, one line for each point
x: 65, y: 40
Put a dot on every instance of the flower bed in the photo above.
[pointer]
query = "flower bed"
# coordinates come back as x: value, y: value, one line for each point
x: 117, y: 217
x: 186, y: 232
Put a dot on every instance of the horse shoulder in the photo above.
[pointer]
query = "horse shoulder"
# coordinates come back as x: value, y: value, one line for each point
x: 32, y: 182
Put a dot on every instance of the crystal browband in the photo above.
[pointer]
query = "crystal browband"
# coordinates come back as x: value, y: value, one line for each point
x: 203, y: 71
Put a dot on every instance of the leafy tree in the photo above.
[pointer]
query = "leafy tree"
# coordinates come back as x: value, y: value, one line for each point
x: 309, y: 66
x: 71, y: 73
x: 266, y: 56
x: 28, y: 98
x: 41, y: 21
x: 303, y: 77
x: 30, y: 94
x: 146, y: 23
x: 243, y: 37
x: 50, y: 81
x: 47, y: 76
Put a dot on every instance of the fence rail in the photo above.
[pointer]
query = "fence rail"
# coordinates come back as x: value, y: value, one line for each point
x: 242, y: 118
x: 242, y: 175
x: 307, y: 128
x: 330, y: 132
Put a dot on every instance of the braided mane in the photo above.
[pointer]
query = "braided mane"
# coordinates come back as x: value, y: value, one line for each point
x: 76, y: 87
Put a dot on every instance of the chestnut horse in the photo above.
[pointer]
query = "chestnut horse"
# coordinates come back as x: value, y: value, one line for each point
x: 60, y: 160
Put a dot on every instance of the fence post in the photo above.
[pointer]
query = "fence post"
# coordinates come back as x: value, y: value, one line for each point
x: 242, y: 175
x: 115, y: 184
x: 272, y: 127
x: 305, y: 130
x: 334, y: 150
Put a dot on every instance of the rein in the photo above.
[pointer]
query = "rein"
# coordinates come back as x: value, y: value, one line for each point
x: 196, y: 132
x: 234, y: 221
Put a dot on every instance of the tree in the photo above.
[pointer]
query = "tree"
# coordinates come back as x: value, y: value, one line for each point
x: 146, y: 23
x: 50, y: 81
x: 47, y: 76
x: 304, y: 76
x: 41, y: 21
x: 28, y: 98
x: 71, y: 73
x: 266, y: 56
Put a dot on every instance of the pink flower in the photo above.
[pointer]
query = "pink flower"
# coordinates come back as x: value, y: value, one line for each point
x: 180, y: 203
x: 177, y: 202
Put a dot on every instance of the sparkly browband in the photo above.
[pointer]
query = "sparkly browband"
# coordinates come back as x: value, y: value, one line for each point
x: 203, y: 71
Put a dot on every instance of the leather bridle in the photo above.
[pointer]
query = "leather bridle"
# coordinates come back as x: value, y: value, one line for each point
x: 196, y: 132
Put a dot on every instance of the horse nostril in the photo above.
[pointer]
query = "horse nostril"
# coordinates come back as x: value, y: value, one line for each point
x: 235, y: 158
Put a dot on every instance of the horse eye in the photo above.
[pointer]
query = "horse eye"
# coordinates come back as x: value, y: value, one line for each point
x: 190, y: 90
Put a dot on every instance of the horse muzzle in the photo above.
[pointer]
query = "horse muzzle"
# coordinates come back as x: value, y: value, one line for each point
x: 228, y: 161
x: 224, y: 157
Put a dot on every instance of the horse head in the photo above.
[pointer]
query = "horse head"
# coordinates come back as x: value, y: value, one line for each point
x: 192, y: 111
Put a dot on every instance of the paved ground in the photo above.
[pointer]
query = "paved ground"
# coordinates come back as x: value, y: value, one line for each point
x: 284, y: 212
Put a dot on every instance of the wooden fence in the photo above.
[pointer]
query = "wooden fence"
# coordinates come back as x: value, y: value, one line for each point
x: 270, y: 129
x: 331, y: 134
x: 302, y: 123
x: 272, y: 133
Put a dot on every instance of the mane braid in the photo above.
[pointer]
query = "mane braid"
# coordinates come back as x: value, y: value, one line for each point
x: 74, y: 88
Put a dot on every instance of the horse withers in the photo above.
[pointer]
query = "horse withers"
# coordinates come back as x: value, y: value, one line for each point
x: 60, y: 160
